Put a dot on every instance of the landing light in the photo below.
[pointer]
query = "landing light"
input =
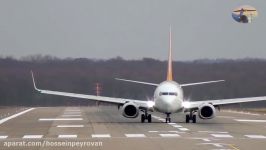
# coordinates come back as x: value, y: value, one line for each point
x: 186, y: 104
x: 150, y: 104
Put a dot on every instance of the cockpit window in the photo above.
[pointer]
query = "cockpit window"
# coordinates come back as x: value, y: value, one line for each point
x: 173, y: 93
x: 168, y: 93
x: 163, y: 93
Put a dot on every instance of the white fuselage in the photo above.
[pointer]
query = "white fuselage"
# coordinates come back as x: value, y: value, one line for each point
x: 168, y: 97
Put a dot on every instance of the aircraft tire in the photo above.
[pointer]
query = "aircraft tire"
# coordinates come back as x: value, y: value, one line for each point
x: 194, y: 118
x: 142, y: 118
x: 149, y: 118
x: 187, y: 118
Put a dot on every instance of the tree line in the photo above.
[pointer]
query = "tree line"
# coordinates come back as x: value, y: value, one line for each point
x: 244, y: 78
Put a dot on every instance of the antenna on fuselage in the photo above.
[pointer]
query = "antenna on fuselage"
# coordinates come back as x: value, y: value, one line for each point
x: 170, y: 66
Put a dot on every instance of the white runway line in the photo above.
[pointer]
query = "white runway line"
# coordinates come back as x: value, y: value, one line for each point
x: 183, y: 129
x: 176, y: 132
x: 3, y: 136
x: 169, y: 135
x: 242, y: 112
x: 60, y: 119
x: 68, y: 136
x: 203, y: 139
x: 171, y: 123
x: 70, y: 126
x: 135, y: 135
x: 32, y: 136
x: 71, y: 115
x: 222, y: 135
x: 72, y: 110
x: 247, y: 120
x: 214, y: 144
x: 206, y: 140
x: 256, y: 136
x: 153, y: 131
x: 15, y: 115
x: 222, y: 132
x: 177, y: 126
x: 100, y: 135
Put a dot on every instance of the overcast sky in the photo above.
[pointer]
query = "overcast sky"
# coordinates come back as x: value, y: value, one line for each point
x: 132, y: 29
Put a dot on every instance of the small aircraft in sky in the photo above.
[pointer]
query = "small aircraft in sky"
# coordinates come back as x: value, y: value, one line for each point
x: 168, y: 99
x: 244, y: 14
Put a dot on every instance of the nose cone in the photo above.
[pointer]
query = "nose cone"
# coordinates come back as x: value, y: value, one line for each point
x: 168, y: 104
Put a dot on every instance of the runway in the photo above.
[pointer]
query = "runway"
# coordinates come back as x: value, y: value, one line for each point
x: 104, y: 128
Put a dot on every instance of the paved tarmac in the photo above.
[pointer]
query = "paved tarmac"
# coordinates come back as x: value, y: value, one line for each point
x: 104, y: 128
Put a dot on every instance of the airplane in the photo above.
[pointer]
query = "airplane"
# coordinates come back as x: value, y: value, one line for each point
x: 242, y: 17
x: 168, y: 99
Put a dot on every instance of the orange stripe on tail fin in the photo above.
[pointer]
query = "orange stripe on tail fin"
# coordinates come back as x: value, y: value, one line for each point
x: 170, y: 66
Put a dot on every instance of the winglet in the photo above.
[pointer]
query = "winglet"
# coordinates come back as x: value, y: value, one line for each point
x: 170, y: 67
x: 33, y: 80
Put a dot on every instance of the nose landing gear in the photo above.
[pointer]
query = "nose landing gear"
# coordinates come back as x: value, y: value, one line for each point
x: 167, y: 119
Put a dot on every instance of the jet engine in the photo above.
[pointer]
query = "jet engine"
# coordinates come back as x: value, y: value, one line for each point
x: 130, y: 110
x: 206, y: 111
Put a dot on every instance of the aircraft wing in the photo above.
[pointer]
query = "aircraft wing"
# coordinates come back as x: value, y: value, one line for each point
x: 198, y: 83
x: 196, y: 104
x: 140, y: 103
x: 244, y: 10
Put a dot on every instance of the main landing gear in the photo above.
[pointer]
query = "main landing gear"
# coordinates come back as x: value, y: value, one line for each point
x: 191, y: 116
x: 167, y: 119
x: 145, y: 116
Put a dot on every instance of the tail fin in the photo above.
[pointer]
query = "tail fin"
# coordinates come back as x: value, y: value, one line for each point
x: 170, y: 67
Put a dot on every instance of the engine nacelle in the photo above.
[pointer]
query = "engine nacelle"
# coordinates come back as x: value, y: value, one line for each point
x: 130, y: 110
x: 206, y: 111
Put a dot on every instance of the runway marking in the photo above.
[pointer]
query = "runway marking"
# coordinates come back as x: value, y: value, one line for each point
x: 204, y: 139
x: 68, y: 136
x: 15, y: 115
x: 171, y: 123
x: 135, y: 135
x: 242, y: 112
x: 100, y: 135
x: 32, y: 136
x: 153, y: 131
x: 256, y: 136
x: 212, y: 132
x: 222, y: 135
x: 3, y: 136
x: 71, y: 115
x: 214, y: 144
x: 169, y: 135
x: 183, y: 129
x: 70, y: 126
x: 177, y: 126
x: 72, y: 110
x: 176, y: 132
x: 165, y: 132
x: 247, y: 120
x: 60, y: 119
